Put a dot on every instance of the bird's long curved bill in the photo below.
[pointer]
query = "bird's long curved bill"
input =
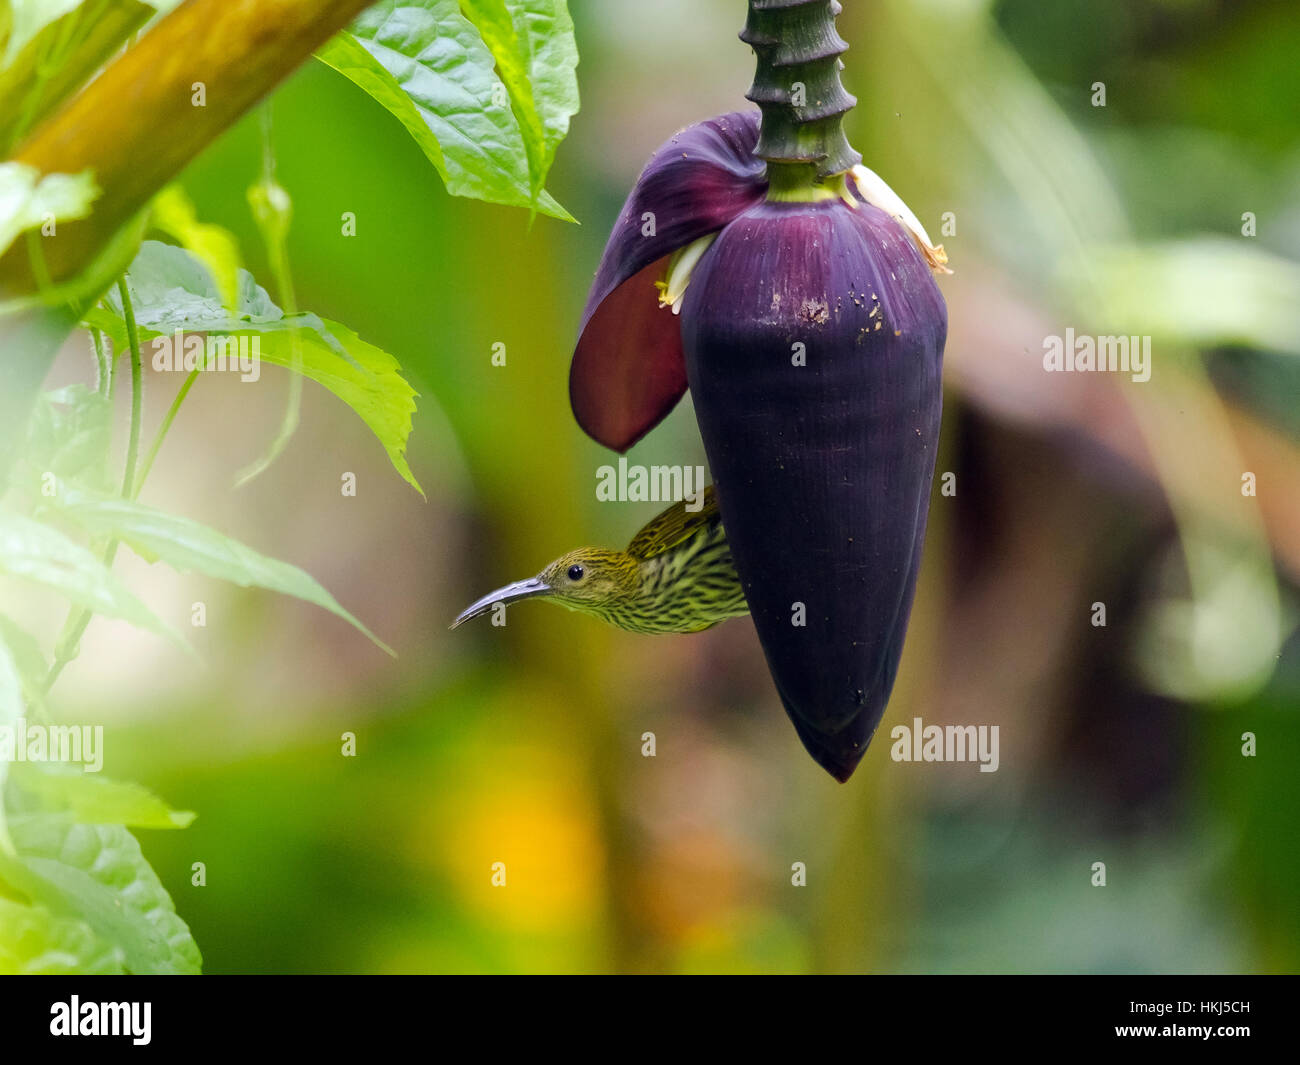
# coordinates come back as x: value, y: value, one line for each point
x: 511, y: 593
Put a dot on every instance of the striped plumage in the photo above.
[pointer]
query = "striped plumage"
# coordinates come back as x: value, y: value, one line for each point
x: 675, y: 576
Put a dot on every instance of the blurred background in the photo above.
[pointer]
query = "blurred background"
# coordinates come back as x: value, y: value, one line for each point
x: 1120, y: 744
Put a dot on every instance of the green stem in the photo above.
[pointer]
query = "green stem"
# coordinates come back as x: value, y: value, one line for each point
x: 271, y: 211
x: 103, y: 365
x: 137, y: 389
x: 797, y: 87
x: 163, y: 429
x: 69, y: 643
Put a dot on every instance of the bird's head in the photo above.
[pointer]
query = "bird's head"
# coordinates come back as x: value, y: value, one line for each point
x: 593, y: 580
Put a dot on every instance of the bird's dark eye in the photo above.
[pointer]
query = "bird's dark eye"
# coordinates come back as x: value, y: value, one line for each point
x: 575, y: 573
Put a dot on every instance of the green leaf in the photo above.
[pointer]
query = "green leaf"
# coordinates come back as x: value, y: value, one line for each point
x: 27, y: 198
x: 372, y: 385
x: 511, y: 54
x: 28, y: 662
x: 428, y: 66
x: 215, y: 247
x: 536, y: 56
x: 191, y: 547
x: 27, y: 19
x: 553, y: 62
x: 11, y: 695
x: 96, y: 873
x: 58, y: 58
x: 94, y: 799
x: 34, y: 942
x: 40, y: 553
x: 27, y: 657
x: 171, y: 291
x: 69, y: 435
x: 91, y: 283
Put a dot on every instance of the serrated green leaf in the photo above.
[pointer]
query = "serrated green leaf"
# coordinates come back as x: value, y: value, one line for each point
x: 95, y: 799
x: 536, y: 56
x: 27, y: 198
x: 96, y: 873
x: 553, y: 62
x: 215, y: 247
x: 171, y: 291
x: 35, y: 942
x: 429, y: 66
x: 39, y: 553
x: 189, y: 546
x: 371, y: 384
x: 511, y: 55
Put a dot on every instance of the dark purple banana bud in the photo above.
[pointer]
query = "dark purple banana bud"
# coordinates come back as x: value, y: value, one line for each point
x: 813, y: 336
x: 799, y: 303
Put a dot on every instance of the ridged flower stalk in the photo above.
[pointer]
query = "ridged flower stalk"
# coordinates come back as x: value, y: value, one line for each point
x: 793, y: 292
x: 798, y: 90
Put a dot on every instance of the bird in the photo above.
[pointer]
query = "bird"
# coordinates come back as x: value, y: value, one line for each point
x: 675, y: 576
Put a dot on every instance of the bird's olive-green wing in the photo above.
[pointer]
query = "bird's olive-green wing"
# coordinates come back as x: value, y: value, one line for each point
x: 672, y: 527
